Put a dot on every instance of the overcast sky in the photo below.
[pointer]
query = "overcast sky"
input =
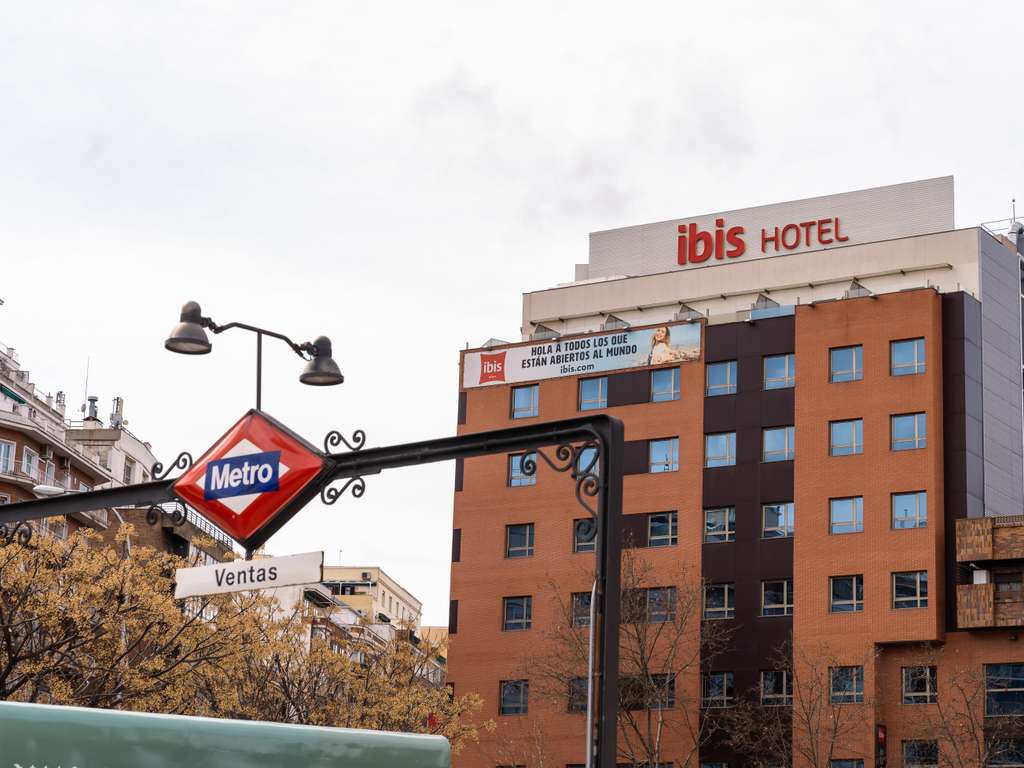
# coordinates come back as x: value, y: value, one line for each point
x: 395, y: 175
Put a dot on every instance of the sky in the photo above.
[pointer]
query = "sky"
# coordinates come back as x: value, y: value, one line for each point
x: 395, y: 176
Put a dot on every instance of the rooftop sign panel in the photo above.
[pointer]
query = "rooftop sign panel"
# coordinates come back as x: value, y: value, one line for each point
x: 817, y: 223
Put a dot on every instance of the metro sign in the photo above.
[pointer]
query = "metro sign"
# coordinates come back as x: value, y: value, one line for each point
x: 252, y: 480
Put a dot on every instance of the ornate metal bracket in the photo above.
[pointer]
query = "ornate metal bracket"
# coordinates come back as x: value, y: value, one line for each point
x: 330, y: 494
x: 157, y: 514
x: 582, y: 461
x: 183, y: 462
x: 334, y: 438
x: 20, y: 531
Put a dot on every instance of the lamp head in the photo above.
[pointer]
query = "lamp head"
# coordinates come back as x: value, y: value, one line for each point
x: 188, y: 336
x: 321, y: 371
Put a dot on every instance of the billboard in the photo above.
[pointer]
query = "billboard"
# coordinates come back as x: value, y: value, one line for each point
x: 611, y: 351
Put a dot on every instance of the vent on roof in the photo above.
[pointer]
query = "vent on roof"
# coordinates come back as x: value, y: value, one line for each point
x: 856, y: 290
x: 687, y: 313
x: 541, y: 331
x: 612, y: 323
x: 763, y: 302
x: 493, y: 342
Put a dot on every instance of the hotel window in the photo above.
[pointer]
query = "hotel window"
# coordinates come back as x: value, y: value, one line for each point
x: 129, y: 471
x: 920, y: 685
x: 846, y: 515
x: 776, y: 688
x: 519, y: 540
x: 1004, y: 690
x: 662, y: 529
x: 910, y: 510
x: 518, y: 613
x: 779, y: 371
x: 515, y: 697
x: 906, y: 357
x: 7, y: 457
x: 777, y: 598
x: 518, y: 463
x: 663, y: 455
x: 1009, y: 583
x: 49, y: 473
x: 57, y: 527
x: 664, y: 385
x: 777, y: 520
x: 846, y: 594
x: 525, y: 401
x: 719, y: 525
x: 582, y: 540
x: 719, y: 690
x: 653, y: 692
x: 910, y: 589
x: 920, y: 754
x: 846, y: 437
x: 779, y: 444
x: 847, y: 763
x: 718, y: 601
x: 909, y: 431
x: 580, y: 608
x: 30, y: 462
x: 594, y: 393
x: 845, y: 364
x: 721, y: 378
x: 661, y: 605
x: 578, y: 694
x: 846, y: 685
x: 720, y: 450
x: 587, y: 462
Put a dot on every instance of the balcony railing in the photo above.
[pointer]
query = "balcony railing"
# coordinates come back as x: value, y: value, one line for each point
x: 977, y: 606
x: 981, y: 539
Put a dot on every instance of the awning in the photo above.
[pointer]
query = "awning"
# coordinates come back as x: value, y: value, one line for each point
x: 12, y: 394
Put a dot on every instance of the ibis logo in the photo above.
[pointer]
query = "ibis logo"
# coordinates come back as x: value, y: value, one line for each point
x: 242, y: 475
x: 492, y: 367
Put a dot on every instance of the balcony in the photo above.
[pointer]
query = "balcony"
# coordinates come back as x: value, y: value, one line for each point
x: 978, y: 607
x: 985, y: 539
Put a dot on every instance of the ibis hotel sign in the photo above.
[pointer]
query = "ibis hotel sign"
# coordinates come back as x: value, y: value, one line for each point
x: 814, y: 224
x: 615, y: 350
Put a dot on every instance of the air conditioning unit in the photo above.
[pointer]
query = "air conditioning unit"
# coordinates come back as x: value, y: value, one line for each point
x: 46, y: 452
x: 366, y: 575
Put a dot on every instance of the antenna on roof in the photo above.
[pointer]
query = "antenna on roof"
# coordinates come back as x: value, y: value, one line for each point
x: 86, y: 395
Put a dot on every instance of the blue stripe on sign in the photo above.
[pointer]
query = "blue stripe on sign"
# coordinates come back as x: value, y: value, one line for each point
x: 242, y: 475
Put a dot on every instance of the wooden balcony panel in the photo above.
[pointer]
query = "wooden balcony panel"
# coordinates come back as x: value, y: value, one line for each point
x: 974, y: 539
x: 975, y: 605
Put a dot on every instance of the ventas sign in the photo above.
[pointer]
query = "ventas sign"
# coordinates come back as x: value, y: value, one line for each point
x: 675, y: 343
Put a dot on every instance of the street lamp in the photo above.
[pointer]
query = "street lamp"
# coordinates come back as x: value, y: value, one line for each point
x: 188, y: 337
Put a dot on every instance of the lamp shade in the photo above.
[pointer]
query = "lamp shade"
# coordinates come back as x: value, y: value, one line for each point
x: 321, y: 371
x: 188, y: 336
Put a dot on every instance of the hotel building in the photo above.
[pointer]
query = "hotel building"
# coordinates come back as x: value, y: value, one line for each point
x: 824, y: 469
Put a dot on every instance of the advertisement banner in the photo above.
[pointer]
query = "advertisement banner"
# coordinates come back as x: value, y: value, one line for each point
x: 611, y: 351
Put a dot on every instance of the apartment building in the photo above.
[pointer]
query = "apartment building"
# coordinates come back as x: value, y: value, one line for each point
x: 374, y: 594
x: 824, y: 471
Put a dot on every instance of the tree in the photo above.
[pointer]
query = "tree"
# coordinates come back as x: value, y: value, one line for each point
x: 662, y: 715
x: 828, y: 716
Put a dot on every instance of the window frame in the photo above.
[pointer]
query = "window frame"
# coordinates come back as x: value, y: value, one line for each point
x: 789, y: 520
x: 920, y: 600
x: 671, y: 464
x: 910, y: 762
x: 581, y: 546
x: 920, y: 438
x: 728, y: 608
x: 845, y: 376
x: 521, y: 624
x: 788, y: 380
x: 516, y: 477
x: 785, y: 608
x: 784, y: 699
x: 30, y: 468
x: 577, y: 618
x: 856, y: 443
x: 729, y: 457
x: 789, y: 444
x: 729, y: 532
x: 731, y: 377
x: 10, y: 467
x: 925, y: 672
x: 920, y: 510
x: 658, y: 395
x: 521, y: 706
x: 671, y: 539
x: 592, y: 404
x: 844, y: 697
x: 577, y: 703
x: 534, y: 408
x: 726, y: 699
x: 856, y: 603
x: 528, y: 548
x: 858, y: 515
x: 919, y: 364
x: 1015, y: 674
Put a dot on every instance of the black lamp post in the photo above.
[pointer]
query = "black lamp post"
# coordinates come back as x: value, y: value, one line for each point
x: 188, y: 337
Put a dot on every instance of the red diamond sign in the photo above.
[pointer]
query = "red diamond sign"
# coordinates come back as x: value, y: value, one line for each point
x: 252, y: 476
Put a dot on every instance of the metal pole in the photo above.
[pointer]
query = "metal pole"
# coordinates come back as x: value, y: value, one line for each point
x: 259, y: 371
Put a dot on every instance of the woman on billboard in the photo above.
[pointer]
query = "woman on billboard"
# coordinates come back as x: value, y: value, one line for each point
x: 662, y: 350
